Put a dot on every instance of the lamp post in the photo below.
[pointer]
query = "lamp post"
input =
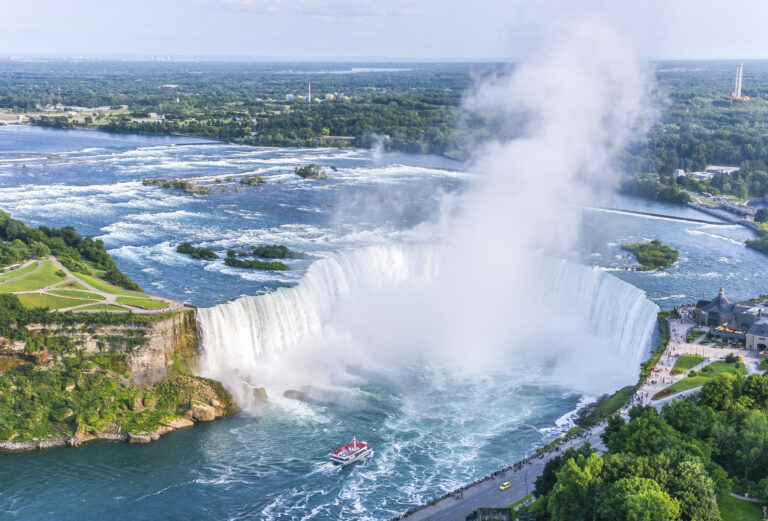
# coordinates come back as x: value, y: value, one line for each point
x: 526, y: 488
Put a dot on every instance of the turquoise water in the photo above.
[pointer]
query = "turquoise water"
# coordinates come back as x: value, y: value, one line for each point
x: 432, y: 429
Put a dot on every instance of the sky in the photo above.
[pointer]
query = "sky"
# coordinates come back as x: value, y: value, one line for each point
x: 372, y: 29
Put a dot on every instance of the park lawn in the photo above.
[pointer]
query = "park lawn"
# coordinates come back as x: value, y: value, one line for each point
x: 45, y: 276
x: 76, y: 294
x: 72, y: 285
x: 735, y: 509
x: 685, y: 362
x: 20, y: 271
x: 690, y: 382
x: 144, y: 303
x: 612, y: 404
x: 41, y: 300
x: 106, y: 287
x: 694, y: 334
x: 102, y: 307
x: 92, y: 266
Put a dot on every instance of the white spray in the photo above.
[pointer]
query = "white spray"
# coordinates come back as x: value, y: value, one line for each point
x: 486, y: 296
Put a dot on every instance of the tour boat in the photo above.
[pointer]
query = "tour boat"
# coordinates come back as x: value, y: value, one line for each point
x: 351, y: 453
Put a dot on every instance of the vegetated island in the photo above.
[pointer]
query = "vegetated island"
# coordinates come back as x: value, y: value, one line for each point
x: 274, y: 251
x: 652, y: 255
x: 254, y: 264
x: 761, y: 242
x: 196, y: 253
x: 311, y: 171
x: 84, y: 354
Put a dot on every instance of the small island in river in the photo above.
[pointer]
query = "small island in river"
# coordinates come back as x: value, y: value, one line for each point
x: 652, y: 255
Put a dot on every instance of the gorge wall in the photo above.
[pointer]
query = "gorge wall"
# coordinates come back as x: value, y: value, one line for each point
x: 148, y: 347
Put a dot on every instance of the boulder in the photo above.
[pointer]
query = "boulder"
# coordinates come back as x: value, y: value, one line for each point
x: 138, y: 438
x: 293, y: 394
x: 259, y: 394
x: 203, y: 413
x: 179, y: 423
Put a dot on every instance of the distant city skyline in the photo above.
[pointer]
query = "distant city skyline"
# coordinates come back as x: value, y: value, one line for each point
x: 368, y: 30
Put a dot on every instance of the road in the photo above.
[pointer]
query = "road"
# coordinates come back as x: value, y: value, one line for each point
x: 487, y: 494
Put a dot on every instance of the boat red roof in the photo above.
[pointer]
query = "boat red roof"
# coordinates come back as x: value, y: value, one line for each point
x: 353, y: 445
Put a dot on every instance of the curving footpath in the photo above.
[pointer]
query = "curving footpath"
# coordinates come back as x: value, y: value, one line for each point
x: 108, y: 298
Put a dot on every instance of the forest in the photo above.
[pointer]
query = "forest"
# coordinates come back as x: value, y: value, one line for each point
x: 407, y: 107
x: 679, y: 463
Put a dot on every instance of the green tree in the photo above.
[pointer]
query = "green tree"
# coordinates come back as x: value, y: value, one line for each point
x: 572, y: 497
x: 637, y: 499
x: 718, y: 393
x: 692, y: 487
x: 753, y: 437
x: 39, y: 250
x: 548, y: 477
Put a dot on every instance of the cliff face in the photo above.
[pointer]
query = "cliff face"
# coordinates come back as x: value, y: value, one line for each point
x: 68, y: 384
x: 149, y: 348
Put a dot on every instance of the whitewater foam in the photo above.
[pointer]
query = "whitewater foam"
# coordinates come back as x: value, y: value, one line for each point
x: 252, y: 339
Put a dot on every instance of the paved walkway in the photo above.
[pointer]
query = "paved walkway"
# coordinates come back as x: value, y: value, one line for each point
x: 108, y: 298
x: 23, y: 274
x: 485, y: 493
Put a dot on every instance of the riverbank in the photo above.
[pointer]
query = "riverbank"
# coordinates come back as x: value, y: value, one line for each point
x: 177, y: 402
x: 485, y: 492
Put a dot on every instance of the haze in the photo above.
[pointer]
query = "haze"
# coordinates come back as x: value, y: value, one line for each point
x: 368, y: 29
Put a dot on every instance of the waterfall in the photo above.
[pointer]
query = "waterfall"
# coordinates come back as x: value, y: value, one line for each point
x: 616, y: 310
x: 237, y: 334
x: 240, y: 336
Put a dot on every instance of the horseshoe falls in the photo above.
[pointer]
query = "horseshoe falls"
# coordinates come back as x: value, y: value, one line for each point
x: 246, y: 342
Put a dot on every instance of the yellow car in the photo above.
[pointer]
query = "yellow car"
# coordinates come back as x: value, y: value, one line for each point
x: 505, y: 485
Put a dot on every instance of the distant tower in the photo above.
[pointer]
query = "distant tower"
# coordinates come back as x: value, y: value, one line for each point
x: 736, y: 94
x: 737, y: 85
x: 309, y: 92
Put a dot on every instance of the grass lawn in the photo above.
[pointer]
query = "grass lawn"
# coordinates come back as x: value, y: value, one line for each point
x: 690, y: 382
x: 106, y: 287
x: 72, y: 285
x: 735, y: 509
x: 685, y: 362
x: 612, y: 404
x: 144, y: 303
x: 102, y: 307
x: 45, y: 276
x: 21, y: 271
x: 694, y: 335
x: 40, y: 300
x: 76, y: 294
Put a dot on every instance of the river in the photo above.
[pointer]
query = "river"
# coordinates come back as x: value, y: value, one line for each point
x: 433, y: 427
